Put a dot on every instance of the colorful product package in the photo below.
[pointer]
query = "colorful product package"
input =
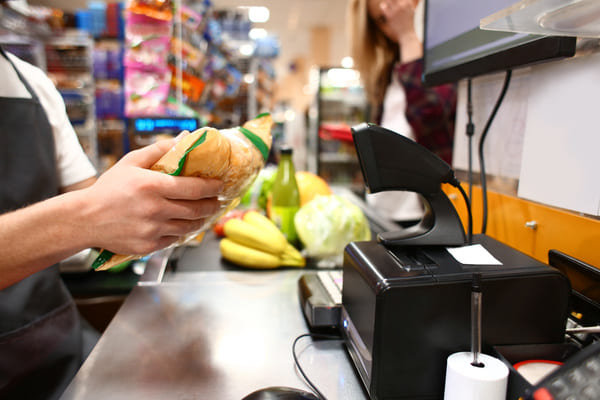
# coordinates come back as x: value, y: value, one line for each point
x: 146, y: 92
x: 158, y: 9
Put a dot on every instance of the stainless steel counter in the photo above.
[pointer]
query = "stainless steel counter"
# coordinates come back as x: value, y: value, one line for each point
x: 200, y: 328
x: 211, y: 335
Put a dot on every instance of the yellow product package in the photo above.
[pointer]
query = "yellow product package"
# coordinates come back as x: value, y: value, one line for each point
x: 235, y: 156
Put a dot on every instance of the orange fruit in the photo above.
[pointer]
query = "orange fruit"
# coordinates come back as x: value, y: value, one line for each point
x: 310, y: 186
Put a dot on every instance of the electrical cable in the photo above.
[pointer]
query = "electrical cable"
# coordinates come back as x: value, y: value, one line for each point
x: 470, y: 132
x: 481, y: 156
x: 469, y: 213
x: 452, y: 180
x: 304, y: 376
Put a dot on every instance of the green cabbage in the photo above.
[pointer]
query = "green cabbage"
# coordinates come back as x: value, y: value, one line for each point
x: 327, y: 224
x: 256, y: 196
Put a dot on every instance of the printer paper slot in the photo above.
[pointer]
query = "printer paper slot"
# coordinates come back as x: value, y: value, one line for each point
x: 473, y: 255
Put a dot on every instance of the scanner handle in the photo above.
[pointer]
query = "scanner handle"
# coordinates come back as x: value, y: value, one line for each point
x: 442, y: 227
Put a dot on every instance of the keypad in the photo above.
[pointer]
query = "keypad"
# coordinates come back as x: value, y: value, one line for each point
x: 577, y: 379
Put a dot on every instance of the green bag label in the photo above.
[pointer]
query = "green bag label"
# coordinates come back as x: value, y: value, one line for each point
x: 103, y: 257
x: 256, y: 141
x: 197, y: 143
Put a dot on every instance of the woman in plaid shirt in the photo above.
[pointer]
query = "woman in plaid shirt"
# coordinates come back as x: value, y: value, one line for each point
x: 388, y: 52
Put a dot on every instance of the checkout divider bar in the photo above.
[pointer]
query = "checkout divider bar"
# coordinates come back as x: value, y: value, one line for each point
x: 155, y: 267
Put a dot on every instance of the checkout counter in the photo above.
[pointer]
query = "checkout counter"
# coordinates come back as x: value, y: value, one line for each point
x: 197, y: 327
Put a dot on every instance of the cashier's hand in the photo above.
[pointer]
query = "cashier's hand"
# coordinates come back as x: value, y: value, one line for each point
x: 134, y: 210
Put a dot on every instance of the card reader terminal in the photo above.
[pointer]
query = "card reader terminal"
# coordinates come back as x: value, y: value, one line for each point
x: 321, y: 299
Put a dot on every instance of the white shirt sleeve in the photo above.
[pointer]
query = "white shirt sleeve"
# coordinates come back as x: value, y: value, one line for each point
x: 72, y: 163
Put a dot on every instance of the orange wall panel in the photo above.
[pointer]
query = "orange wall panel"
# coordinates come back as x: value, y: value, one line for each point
x: 509, y: 217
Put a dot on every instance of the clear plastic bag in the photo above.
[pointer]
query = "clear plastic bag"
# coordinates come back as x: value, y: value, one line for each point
x: 248, y: 147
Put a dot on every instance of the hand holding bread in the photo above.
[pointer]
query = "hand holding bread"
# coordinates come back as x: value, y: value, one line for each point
x: 235, y: 156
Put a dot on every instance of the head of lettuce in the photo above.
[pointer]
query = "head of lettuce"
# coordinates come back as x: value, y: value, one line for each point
x: 327, y: 224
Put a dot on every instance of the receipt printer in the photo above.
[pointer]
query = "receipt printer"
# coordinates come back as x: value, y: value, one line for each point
x: 406, y: 297
x: 406, y: 309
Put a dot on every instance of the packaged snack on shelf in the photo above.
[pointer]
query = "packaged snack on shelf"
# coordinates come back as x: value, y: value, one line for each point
x: 146, y: 92
x: 147, y: 42
x: 190, y: 18
x: 158, y: 9
x: 191, y: 86
x: 193, y: 57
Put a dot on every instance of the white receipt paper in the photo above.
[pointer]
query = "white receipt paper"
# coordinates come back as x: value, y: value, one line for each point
x: 467, y: 382
x: 474, y: 254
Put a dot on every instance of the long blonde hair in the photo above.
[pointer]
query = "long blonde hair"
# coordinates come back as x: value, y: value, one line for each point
x: 373, y: 53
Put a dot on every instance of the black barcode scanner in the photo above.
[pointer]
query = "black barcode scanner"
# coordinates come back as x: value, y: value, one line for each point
x: 390, y: 161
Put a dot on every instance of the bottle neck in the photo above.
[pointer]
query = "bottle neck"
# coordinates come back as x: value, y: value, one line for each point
x: 286, y: 165
x: 286, y: 172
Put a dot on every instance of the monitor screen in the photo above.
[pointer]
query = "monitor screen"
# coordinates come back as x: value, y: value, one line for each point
x: 456, y: 48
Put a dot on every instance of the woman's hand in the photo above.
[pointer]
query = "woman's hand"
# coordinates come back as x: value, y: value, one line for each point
x: 395, y: 18
x: 399, y: 15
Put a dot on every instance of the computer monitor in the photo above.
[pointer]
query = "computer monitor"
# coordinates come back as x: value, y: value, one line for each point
x: 456, y: 48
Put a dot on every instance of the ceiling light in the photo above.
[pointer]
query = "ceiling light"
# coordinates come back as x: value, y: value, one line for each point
x: 347, y: 62
x: 258, y: 14
x: 246, y: 49
x: 257, y: 33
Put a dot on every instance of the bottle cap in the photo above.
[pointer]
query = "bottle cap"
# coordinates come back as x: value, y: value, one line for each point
x: 285, y: 149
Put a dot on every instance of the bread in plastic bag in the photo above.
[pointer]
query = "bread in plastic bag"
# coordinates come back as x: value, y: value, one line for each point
x: 235, y: 156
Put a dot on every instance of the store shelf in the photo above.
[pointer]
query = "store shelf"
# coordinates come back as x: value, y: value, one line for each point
x: 340, y: 104
x: 37, y: 36
x: 69, y: 63
x: 337, y: 158
x: 208, y: 74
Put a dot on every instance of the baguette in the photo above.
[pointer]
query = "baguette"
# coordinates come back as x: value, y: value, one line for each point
x: 235, y: 156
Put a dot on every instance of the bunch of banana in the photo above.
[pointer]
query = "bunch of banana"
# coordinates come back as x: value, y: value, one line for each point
x: 255, y: 242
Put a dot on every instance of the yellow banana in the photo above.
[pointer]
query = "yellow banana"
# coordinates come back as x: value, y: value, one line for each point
x: 291, y: 253
x: 293, y: 256
x: 260, y: 221
x: 247, y: 256
x: 249, y: 235
x: 292, y: 262
x: 256, y: 242
x: 252, y: 258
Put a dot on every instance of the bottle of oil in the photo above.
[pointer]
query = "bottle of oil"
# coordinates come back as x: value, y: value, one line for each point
x: 285, y: 196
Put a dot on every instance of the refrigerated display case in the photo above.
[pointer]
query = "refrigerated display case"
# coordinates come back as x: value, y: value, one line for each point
x: 69, y: 63
x: 339, y: 104
x: 65, y: 55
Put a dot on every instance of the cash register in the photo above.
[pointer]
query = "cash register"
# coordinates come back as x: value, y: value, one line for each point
x: 406, y: 295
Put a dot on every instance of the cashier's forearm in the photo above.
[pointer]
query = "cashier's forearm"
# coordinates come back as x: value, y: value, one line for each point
x: 35, y: 237
x: 130, y: 209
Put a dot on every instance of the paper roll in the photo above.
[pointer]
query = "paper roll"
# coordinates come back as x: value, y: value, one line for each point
x: 467, y: 382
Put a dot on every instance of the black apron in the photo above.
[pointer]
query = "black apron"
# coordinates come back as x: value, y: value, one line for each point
x: 41, y: 337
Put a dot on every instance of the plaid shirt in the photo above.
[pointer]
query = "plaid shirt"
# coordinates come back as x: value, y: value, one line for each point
x: 430, y: 111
